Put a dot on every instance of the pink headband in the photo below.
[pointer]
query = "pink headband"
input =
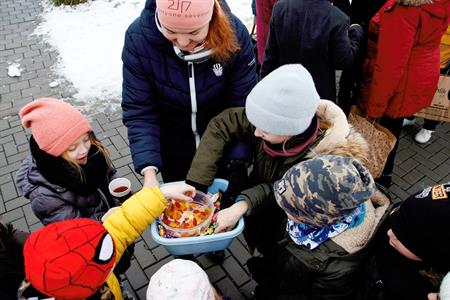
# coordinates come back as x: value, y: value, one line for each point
x: 184, y: 14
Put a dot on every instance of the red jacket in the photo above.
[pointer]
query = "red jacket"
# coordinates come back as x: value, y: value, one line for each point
x: 402, y: 67
x: 263, y: 14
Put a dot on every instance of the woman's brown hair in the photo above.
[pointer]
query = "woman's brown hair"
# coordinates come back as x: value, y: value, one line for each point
x: 221, y: 37
x: 100, y: 148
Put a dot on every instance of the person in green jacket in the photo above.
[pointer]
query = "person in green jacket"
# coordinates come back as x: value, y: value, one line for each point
x: 284, y: 121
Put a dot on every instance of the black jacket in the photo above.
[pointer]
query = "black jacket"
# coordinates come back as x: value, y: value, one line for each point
x: 11, y: 260
x: 315, y: 34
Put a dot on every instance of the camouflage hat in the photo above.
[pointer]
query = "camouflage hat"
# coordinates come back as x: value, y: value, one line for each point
x: 321, y: 191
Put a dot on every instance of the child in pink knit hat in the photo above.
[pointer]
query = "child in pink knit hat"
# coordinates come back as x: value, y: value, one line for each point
x: 68, y: 172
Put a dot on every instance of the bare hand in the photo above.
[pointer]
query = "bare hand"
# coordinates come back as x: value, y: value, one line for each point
x: 109, y: 212
x: 181, y: 191
x: 150, y: 179
x: 228, y: 217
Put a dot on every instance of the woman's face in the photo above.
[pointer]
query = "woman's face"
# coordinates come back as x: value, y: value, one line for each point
x: 394, y: 242
x: 271, y: 138
x: 78, y: 151
x: 185, y: 39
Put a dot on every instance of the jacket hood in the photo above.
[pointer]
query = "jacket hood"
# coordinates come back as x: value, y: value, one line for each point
x: 340, y: 137
x: 354, y: 145
x: 343, y: 140
x: 28, y: 178
x: 437, y: 8
x: 414, y: 2
x: 148, y: 26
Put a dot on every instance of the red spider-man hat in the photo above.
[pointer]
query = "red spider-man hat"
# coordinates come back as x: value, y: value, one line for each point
x: 69, y: 259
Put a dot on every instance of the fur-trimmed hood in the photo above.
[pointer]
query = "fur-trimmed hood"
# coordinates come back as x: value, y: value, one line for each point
x: 354, y: 145
x: 343, y: 140
x: 437, y: 8
x: 415, y: 2
x: 340, y: 137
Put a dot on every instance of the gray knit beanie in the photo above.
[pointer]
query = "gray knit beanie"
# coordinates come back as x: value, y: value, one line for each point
x: 284, y: 102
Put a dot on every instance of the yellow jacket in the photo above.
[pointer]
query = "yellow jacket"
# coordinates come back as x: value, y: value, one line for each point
x: 129, y: 221
x: 445, y: 48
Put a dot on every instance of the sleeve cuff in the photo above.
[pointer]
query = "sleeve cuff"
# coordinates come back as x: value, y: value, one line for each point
x: 148, y: 168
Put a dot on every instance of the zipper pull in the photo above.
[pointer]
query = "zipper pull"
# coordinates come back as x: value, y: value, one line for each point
x: 190, y: 69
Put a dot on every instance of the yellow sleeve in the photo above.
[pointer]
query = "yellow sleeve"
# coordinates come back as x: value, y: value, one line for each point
x: 133, y: 217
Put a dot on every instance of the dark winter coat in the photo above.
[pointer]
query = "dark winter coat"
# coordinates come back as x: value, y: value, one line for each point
x: 12, y: 271
x: 168, y: 102
x: 232, y: 125
x: 402, y: 64
x: 333, y: 269
x: 315, y: 34
x: 263, y: 14
x: 52, y: 203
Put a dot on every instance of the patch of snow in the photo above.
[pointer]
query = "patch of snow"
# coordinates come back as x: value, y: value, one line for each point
x: 53, y: 84
x: 89, y: 39
x: 14, y: 70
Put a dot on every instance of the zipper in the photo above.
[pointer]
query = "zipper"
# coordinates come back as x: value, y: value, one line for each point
x: 193, y: 103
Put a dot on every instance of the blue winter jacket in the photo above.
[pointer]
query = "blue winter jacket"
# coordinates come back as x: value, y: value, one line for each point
x: 168, y: 102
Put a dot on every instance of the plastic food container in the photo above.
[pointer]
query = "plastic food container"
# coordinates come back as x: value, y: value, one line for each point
x: 200, y: 244
x: 185, y: 218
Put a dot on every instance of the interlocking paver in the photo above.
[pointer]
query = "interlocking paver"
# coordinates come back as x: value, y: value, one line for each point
x: 136, y: 276
x: 12, y: 215
x: 227, y: 287
x: 215, y: 273
x: 16, y: 203
x: 3, y: 161
x: 143, y: 254
x: 8, y: 191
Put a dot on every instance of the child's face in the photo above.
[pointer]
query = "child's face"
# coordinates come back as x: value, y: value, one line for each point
x: 271, y: 138
x: 78, y: 151
x: 394, y: 242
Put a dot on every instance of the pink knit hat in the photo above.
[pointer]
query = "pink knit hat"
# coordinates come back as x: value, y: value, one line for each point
x: 184, y: 14
x: 55, y: 124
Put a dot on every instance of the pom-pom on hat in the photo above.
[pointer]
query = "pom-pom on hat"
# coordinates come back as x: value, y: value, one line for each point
x: 422, y: 225
x: 284, y: 102
x: 69, y: 259
x: 184, y: 14
x: 180, y: 279
x: 55, y: 124
x: 321, y: 191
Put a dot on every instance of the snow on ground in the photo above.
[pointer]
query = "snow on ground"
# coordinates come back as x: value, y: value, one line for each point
x: 89, y: 39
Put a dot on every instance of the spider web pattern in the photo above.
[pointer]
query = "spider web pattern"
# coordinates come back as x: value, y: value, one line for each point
x: 64, y: 259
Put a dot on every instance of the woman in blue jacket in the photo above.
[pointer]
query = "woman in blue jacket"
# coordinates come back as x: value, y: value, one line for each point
x: 183, y: 63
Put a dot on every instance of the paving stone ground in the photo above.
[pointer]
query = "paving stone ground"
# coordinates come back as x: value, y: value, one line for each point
x: 417, y: 166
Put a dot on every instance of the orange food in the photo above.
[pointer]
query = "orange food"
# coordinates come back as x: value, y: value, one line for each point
x: 185, y: 215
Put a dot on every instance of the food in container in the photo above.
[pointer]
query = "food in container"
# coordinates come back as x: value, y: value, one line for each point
x: 188, y: 218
